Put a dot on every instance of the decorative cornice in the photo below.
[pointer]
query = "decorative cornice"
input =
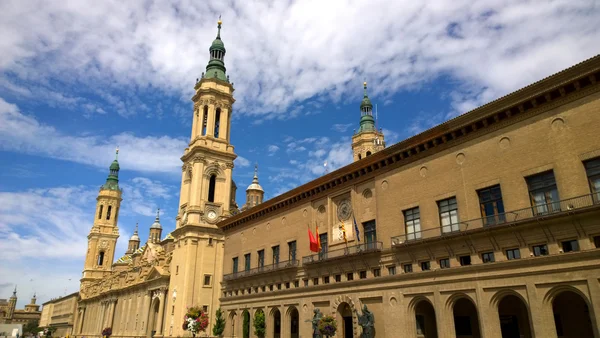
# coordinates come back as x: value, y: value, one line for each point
x: 556, y: 90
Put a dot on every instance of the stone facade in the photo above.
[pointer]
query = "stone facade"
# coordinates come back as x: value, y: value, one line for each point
x: 9, y: 314
x: 485, y: 226
x: 60, y: 313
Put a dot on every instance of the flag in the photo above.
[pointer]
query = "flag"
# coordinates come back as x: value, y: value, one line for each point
x: 356, y: 229
x: 318, y: 238
x: 344, y: 232
x: 314, y: 245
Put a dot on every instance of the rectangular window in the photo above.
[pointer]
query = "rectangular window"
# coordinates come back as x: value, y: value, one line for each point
x: 271, y: 287
x: 592, y: 169
x: 100, y: 212
x: 362, y: 274
x: 465, y: 260
x: 425, y: 266
x: 513, y: 254
x: 376, y: 272
x: 540, y: 250
x: 234, y: 268
x: 305, y: 282
x: 206, y: 280
x: 491, y: 205
x: 569, y: 246
x: 287, y: 285
x: 278, y: 286
x: 448, y: 215
x: 263, y: 288
x: 338, y: 278
x: 412, y: 223
x: 205, y: 308
x: 543, y: 193
x: 324, y: 246
x: 444, y: 263
x: 315, y: 281
x: 370, y: 234
x: 261, y: 258
x: 292, y: 250
x: 488, y: 257
x: 275, y: 254
x: 296, y: 283
x: 350, y: 276
x: 177, y: 270
x: 173, y: 309
x: 247, y: 262
x: 407, y: 268
x: 391, y: 270
x: 326, y: 280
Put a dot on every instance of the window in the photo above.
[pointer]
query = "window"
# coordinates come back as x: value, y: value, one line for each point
x: 204, y: 120
x: 296, y: 283
x: 407, y: 268
x: 569, y: 246
x: 449, y: 215
x: 326, y: 280
x: 261, y: 258
x: 350, y: 276
x: 206, y: 280
x: 491, y: 205
x: 362, y: 274
x: 108, y: 212
x: 275, y: 254
x: 592, y: 169
x: 488, y: 257
x: 359, y: 157
x: 177, y: 270
x: 315, y: 281
x: 338, y: 278
x: 217, y: 122
x: 292, y: 250
x: 247, y: 262
x: 513, y: 254
x: 205, y: 308
x: 263, y: 288
x: 324, y: 246
x: 100, y: 258
x: 465, y: 260
x: 391, y: 270
x: 100, y: 212
x: 444, y: 263
x: 234, y: 269
x: 210, y: 241
x: 368, y: 153
x: 305, y: 282
x: 271, y: 287
x: 278, y: 286
x: 597, y: 241
x: 425, y: 266
x: 540, y: 250
x: 543, y: 193
x: 370, y: 234
x: 412, y: 223
x: 211, y: 188
x: 287, y: 285
x: 173, y: 308
x: 376, y: 272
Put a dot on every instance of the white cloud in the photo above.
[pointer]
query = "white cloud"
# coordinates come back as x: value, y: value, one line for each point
x: 241, y: 162
x: 493, y: 46
x: 144, y: 197
x: 341, y: 128
x: 272, y: 149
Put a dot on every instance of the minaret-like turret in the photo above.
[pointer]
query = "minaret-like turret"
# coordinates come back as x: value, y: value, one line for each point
x: 134, y: 241
x: 254, y: 192
x: 155, y: 229
x: 32, y: 307
x: 12, y: 304
x: 367, y: 140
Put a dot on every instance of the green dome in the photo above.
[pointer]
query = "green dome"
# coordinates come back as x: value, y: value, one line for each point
x: 216, y: 66
x: 217, y: 44
x: 367, y: 123
x: 115, y: 165
x: 366, y: 102
x: 112, y: 181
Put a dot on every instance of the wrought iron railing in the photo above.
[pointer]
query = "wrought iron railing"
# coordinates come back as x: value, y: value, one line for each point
x: 262, y: 269
x: 533, y: 212
x: 343, y: 252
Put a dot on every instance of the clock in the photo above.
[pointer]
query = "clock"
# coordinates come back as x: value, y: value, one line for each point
x: 212, y: 215
x: 344, y: 210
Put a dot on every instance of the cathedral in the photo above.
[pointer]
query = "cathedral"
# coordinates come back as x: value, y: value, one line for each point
x: 9, y: 314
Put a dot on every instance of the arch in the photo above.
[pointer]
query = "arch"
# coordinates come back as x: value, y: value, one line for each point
x: 276, y: 320
x: 212, y: 182
x: 108, y: 212
x: 466, y: 320
x: 294, y: 320
x: 571, y: 310
x: 246, y: 324
x: 100, y: 212
x: 217, y: 122
x: 230, y: 329
x: 153, y: 317
x: 368, y: 153
x: 359, y: 157
x: 424, y: 316
x: 513, y: 314
x: 345, y: 320
x: 204, y: 120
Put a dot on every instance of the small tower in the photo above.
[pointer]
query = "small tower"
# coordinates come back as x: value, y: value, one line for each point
x: 254, y: 192
x: 155, y: 229
x: 134, y: 241
x: 367, y: 140
x: 12, y: 304
x: 32, y: 307
x: 102, y: 238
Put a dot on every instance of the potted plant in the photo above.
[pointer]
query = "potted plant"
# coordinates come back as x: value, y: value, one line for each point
x: 195, y: 320
x: 259, y: 324
x: 327, y: 326
x: 107, y: 332
x: 219, y: 326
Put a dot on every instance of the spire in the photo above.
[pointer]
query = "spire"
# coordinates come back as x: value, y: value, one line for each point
x: 112, y: 182
x: 135, y: 236
x: 14, y: 295
x: 367, y: 123
x: 156, y: 224
x: 219, y: 28
x: 255, y: 185
x: 216, y: 67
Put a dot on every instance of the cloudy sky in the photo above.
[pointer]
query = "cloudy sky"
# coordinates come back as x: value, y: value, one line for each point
x: 78, y: 78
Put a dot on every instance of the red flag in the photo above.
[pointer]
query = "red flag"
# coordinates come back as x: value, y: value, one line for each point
x: 314, y: 245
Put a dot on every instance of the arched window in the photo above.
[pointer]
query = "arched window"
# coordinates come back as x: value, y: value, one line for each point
x: 368, y: 153
x: 211, y: 188
x: 108, y: 212
x: 101, y: 256
x: 100, y: 212
x: 204, y: 120
x: 359, y: 156
x: 217, y: 122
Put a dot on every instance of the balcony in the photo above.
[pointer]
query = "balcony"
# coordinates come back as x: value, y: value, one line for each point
x: 344, y: 252
x: 538, y: 212
x: 262, y: 269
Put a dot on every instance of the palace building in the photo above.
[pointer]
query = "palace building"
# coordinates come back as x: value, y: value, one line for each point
x: 487, y: 225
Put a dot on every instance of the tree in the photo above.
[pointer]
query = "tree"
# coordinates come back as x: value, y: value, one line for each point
x: 259, y: 324
x: 246, y: 328
x: 32, y: 327
x: 219, y: 326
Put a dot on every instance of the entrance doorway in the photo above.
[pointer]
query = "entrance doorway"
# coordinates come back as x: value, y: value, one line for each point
x: 425, y: 320
x: 347, y: 328
x: 571, y: 316
x: 294, y: 323
x: 466, y: 322
x: 514, y: 317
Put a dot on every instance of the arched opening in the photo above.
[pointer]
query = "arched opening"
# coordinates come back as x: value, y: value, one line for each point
x: 108, y: 212
x: 211, y: 188
x: 230, y: 331
x: 571, y: 316
x: 425, y: 320
x: 514, y: 317
x: 100, y: 212
x: 276, y: 323
x: 345, y: 325
x: 368, y: 153
x: 294, y: 323
x: 466, y: 322
x: 153, y: 320
x: 204, y: 120
x: 217, y: 122
x: 100, y: 258
x: 246, y: 324
x: 359, y: 156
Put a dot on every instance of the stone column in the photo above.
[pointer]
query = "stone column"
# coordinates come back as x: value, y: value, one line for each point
x: 224, y: 124
x: 145, y: 312
x: 542, y: 317
x: 210, y: 123
x: 443, y: 317
x: 489, y: 322
x: 595, y: 305
x: 161, y: 311
x: 195, y: 119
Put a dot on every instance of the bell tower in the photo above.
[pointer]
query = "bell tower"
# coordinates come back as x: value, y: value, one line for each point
x: 367, y: 140
x: 205, y: 195
x: 102, y: 238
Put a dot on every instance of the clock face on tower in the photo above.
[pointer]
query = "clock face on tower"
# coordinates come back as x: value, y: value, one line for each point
x: 344, y: 210
x: 212, y: 215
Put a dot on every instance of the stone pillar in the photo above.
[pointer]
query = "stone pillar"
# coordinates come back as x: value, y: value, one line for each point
x: 542, y: 316
x: 195, y: 119
x: 595, y: 305
x: 489, y: 322
x: 145, y: 311
x: 286, y: 321
x: 162, y: 296
x: 210, y: 123
x: 224, y: 124
x: 443, y: 317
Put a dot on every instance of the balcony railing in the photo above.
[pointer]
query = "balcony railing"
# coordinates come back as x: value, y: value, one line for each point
x: 343, y: 252
x: 533, y: 212
x: 262, y: 269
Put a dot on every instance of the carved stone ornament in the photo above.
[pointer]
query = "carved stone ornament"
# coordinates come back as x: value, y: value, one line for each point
x: 344, y: 210
x: 103, y: 245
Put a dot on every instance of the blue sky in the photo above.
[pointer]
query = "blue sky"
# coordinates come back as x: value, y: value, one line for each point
x: 79, y: 78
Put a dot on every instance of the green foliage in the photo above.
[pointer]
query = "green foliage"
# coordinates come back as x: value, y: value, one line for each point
x: 246, y: 327
x: 219, y: 326
x: 31, y: 327
x: 327, y: 326
x: 259, y: 324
